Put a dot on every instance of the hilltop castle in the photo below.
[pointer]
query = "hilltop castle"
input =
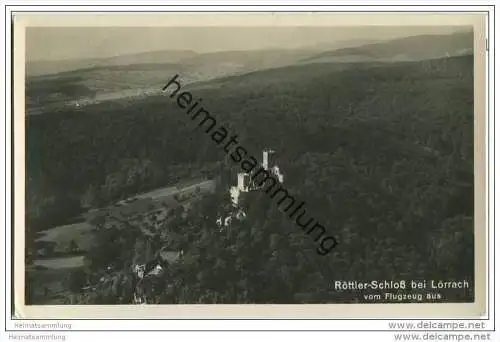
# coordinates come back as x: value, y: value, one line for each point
x: 245, y: 183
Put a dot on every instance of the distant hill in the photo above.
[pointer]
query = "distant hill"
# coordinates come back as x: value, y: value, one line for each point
x: 102, y: 81
x: 268, y: 56
x: 292, y: 75
x: 144, y: 74
x: 233, y: 60
x: 403, y: 49
x: 34, y: 68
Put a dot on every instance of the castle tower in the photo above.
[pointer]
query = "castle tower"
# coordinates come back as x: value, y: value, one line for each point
x: 243, y: 181
x: 268, y: 159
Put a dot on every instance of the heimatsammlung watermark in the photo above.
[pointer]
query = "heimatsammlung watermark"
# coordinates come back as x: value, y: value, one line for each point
x: 249, y: 164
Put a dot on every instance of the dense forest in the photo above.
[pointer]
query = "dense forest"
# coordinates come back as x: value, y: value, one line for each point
x: 382, y: 154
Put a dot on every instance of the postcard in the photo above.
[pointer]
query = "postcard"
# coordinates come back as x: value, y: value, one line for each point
x: 249, y: 165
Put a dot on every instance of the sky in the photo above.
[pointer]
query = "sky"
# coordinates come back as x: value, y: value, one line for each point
x: 60, y: 43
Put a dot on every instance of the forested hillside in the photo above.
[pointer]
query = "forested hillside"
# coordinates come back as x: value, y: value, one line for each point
x: 383, y: 154
x: 406, y: 48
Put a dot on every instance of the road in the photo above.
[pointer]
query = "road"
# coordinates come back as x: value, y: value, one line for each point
x: 206, y: 185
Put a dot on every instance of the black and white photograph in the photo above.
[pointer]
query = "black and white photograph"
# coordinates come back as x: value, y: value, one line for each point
x: 249, y: 165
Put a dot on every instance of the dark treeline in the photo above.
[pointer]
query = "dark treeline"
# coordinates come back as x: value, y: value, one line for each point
x: 382, y: 155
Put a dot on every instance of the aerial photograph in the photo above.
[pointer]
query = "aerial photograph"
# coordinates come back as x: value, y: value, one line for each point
x: 249, y: 165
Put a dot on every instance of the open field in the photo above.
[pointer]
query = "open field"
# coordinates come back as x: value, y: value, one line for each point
x: 57, y: 263
x: 48, y: 277
x: 81, y: 233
